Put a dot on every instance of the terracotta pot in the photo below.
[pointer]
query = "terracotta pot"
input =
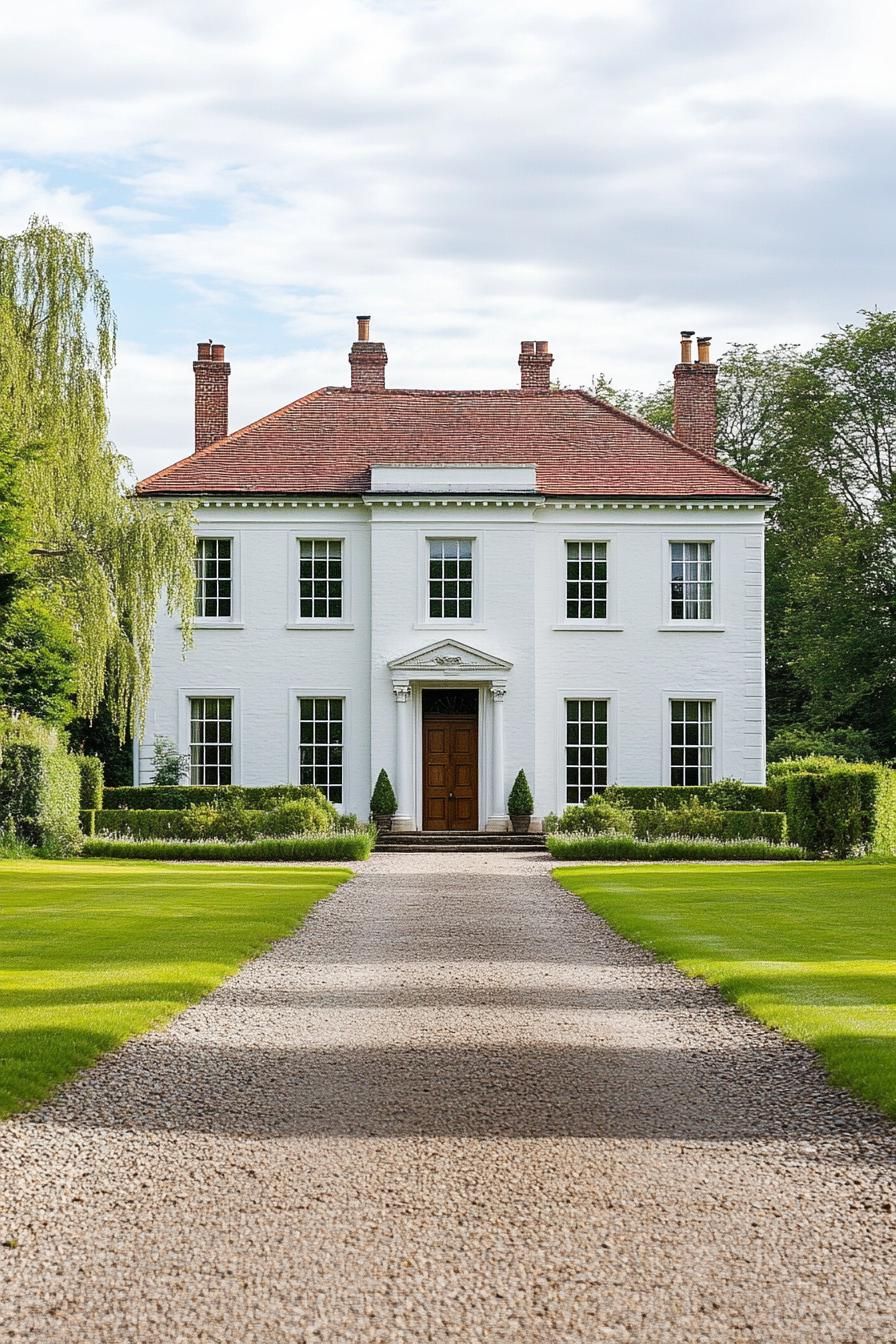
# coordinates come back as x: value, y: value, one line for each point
x: 520, y: 822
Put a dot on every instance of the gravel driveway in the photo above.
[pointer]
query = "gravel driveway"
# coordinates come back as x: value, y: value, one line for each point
x: 453, y: 1107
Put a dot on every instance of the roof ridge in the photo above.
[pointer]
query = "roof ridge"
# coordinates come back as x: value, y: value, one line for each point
x: 244, y: 429
x: 668, y: 438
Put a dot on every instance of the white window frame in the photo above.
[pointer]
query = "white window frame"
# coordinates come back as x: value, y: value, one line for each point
x: 611, y: 620
x: 716, y: 621
x: 188, y: 693
x: 718, y: 718
x: 443, y: 533
x: 297, y: 693
x: 235, y: 620
x: 586, y: 693
x: 295, y: 621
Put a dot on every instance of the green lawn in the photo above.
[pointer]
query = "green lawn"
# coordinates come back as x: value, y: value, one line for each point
x: 92, y: 953
x: 808, y: 947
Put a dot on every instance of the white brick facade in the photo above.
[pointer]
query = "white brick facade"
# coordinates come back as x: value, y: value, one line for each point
x: 638, y: 659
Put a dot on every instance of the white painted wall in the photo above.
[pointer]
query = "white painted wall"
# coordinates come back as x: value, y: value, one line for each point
x: 633, y: 660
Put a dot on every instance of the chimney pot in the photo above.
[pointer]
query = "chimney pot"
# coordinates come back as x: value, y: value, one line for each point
x: 363, y: 327
x: 703, y: 354
x: 527, y: 347
x: 211, y: 372
x: 687, y: 350
x: 541, y: 348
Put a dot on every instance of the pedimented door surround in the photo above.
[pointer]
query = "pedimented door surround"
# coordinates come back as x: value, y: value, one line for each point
x: 448, y: 661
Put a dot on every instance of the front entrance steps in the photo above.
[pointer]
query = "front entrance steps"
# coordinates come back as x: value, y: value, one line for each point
x: 458, y: 842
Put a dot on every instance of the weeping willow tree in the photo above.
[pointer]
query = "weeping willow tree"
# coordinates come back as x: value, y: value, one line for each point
x: 100, y: 559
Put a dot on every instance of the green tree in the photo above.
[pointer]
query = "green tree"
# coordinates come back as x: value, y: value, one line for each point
x: 820, y: 428
x: 37, y: 661
x: 101, y: 558
x: 654, y: 407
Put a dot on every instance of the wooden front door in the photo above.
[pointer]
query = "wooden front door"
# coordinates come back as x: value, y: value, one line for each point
x: 450, y: 773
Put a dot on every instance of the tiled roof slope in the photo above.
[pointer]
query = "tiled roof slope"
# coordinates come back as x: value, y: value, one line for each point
x: 325, y: 443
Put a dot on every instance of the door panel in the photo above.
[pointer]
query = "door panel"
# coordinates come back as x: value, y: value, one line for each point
x: 450, y: 773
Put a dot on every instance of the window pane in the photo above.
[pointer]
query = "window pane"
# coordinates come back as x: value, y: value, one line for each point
x: 691, y: 581
x: 211, y: 733
x: 450, y: 578
x: 213, y: 595
x: 586, y: 747
x: 320, y: 752
x: 691, y: 751
x: 586, y: 580
x: 320, y: 579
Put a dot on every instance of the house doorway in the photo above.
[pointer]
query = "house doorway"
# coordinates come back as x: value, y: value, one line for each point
x: 450, y: 759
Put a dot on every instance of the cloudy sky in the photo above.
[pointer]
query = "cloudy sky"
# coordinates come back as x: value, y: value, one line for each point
x: 599, y: 173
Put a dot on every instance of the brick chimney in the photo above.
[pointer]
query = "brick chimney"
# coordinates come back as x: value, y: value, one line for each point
x: 694, y: 396
x: 535, y: 366
x: 212, y: 372
x: 368, y: 360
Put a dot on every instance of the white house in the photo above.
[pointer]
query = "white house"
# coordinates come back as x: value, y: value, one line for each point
x: 459, y: 585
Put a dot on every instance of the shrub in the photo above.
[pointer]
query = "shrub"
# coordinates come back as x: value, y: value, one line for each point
x: 91, y: 769
x: 731, y: 795
x: 520, y: 803
x: 848, y: 744
x: 671, y: 795
x: 837, y: 807
x: 40, y: 789
x: 301, y: 816
x: 88, y: 821
x: 168, y: 766
x: 151, y: 796
x: 672, y: 848
x: 654, y: 823
x: 348, y: 845
x: 598, y: 816
x: 383, y: 802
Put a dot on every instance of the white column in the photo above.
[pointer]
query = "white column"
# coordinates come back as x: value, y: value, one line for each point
x: 498, y: 819
x: 404, y: 758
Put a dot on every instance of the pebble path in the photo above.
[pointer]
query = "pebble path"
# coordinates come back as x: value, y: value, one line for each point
x: 453, y: 1107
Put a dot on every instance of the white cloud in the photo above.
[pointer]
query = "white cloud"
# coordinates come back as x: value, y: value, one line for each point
x: 596, y: 173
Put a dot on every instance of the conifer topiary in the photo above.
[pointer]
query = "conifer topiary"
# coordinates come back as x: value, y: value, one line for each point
x: 383, y: 802
x: 520, y: 802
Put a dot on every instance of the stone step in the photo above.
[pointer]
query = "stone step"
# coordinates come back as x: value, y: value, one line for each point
x: 461, y: 849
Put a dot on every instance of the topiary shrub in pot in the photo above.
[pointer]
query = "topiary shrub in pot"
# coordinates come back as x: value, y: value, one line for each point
x: 520, y: 804
x: 383, y: 803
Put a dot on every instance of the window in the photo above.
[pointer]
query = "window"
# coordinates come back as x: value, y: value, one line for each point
x: 213, y: 563
x: 450, y: 578
x: 211, y: 740
x: 320, y: 579
x: 320, y: 744
x: 586, y: 580
x: 691, y: 581
x: 691, y: 742
x: 586, y: 748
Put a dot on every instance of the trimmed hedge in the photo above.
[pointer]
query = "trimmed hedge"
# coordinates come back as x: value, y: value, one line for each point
x: 751, y: 797
x: 673, y: 848
x: 176, y: 797
x: 88, y: 821
x: 204, y: 822
x: 40, y: 789
x: 91, y: 769
x: 346, y: 845
x: 770, y: 826
x: 842, y: 809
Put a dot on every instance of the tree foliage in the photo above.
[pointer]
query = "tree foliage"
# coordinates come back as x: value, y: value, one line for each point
x: 100, y: 559
x: 819, y: 426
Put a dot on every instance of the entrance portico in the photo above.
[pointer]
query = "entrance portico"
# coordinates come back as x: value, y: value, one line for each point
x: 449, y: 662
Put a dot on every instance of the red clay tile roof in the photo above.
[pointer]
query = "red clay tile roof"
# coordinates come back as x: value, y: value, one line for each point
x: 325, y: 443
